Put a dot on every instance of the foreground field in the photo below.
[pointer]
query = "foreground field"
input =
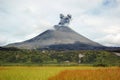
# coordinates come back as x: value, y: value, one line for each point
x: 98, y: 74
x: 59, y: 73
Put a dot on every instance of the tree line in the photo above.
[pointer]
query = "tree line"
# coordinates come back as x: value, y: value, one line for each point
x: 98, y: 58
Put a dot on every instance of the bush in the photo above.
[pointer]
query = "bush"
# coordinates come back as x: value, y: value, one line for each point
x: 100, y: 65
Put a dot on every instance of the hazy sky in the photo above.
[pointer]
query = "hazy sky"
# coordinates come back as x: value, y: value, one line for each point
x: 98, y: 20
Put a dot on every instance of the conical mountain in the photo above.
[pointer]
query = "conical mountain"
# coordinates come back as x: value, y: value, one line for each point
x: 61, y: 35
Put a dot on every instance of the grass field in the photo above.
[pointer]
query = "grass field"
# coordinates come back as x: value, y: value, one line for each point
x: 88, y: 74
x: 58, y: 73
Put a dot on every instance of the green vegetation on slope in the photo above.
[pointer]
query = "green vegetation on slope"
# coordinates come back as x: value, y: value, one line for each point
x: 97, y: 58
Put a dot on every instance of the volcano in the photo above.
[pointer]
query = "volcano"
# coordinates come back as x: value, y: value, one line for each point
x: 61, y: 37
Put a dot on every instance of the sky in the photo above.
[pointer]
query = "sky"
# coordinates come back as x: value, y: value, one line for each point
x: 98, y: 20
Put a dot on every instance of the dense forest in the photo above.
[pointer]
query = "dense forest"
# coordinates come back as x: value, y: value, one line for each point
x: 92, y: 57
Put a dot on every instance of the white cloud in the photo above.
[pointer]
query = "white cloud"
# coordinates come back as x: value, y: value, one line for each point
x: 3, y: 40
x: 110, y: 40
x: 112, y: 30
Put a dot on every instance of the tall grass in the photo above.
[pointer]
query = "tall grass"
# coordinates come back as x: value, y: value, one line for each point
x: 64, y: 73
x: 96, y: 74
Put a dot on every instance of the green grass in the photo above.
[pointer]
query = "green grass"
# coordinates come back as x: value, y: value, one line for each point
x: 35, y: 72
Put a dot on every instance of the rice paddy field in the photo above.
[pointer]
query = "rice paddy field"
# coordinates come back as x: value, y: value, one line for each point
x: 59, y: 73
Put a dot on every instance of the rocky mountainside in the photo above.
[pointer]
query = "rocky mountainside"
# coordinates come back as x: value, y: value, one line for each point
x: 61, y: 35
